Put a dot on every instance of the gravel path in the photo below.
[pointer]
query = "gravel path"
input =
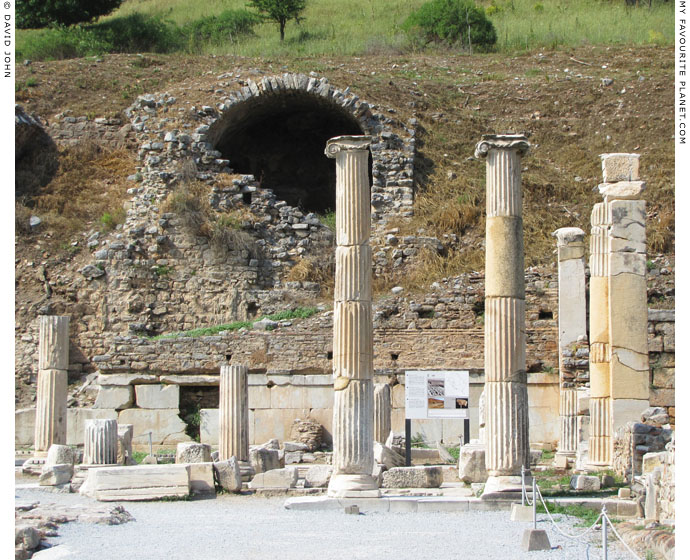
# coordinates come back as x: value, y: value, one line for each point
x: 257, y: 528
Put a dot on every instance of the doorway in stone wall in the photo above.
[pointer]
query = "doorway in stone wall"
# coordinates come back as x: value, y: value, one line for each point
x: 192, y: 399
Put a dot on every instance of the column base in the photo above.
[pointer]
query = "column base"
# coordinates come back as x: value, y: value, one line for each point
x: 246, y: 471
x: 353, y: 486
x: 562, y: 459
x: 505, y: 487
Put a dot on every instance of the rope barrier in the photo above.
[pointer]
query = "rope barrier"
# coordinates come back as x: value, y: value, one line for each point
x: 572, y: 537
x: 620, y: 539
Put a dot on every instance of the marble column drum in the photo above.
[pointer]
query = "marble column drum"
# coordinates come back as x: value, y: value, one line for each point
x: 572, y: 326
x: 51, y: 385
x: 100, y: 442
x: 382, y: 412
x: 353, y: 354
x: 507, y: 419
x: 233, y: 414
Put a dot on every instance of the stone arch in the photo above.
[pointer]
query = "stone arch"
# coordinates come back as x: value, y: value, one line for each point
x: 276, y: 130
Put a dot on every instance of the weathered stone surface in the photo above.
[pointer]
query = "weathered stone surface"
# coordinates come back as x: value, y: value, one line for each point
x: 209, y: 425
x: 386, y: 456
x: 201, y: 478
x: 24, y: 425
x: 114, y: 396
x: 307, y: 431
x: 60, y: 455
x: 233, y: 414
x: 263, y: 459
x: 279, y: 478
x: 51, y: 408
x: 585, y: 483
x: 192, y: 452
x: 28, y: 536
x: 76, y: 419
x: 140, y: 482
x: 535, y: 539
x: 652, y: 460
x: 166, y: 426
x: 56, y: 474
x: 228, y: 474
x: 382, y: 411
x: 100, y: 442
x: 620, y: 167
x: 471, y: 463
x: 413, y: 477
x: 125, y: 433
x: 158, y: 396
x: 291, y: 446
x: 622, y: 190
x: 53, y: 342
x: 318, y: 476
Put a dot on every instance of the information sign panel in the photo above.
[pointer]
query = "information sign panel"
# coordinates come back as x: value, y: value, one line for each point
x: 437, y: 394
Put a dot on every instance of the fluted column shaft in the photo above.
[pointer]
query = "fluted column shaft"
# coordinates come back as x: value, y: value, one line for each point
x: 572, y: 326
x: 507, y: 420
x: 51, y: 388
x: 100, y: 442
x: 353, y: 354
x: 234, y: 413
x: 382, y: 412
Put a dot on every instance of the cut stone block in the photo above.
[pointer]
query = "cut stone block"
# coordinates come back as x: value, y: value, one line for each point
x: 280, y: 478
x: 472, y: 463
x: 125, y: 433
x: 140, y: 482
x: 585, y: 483
x: 56, y: 474
x: 158, y: 396
x: 76, y: 418
x: 60, y: 455
x: 622, y: 190
x: 114, y: 396
x: 413, y: 477
x: 624, y: 493
x: 620, y: 167
x: 192, y: 452
x: 209, y: 425
x: 652, y: 460
x: 201, y: 478
x: 24, y: 421
x: 386, y: 456
x: 263, y: 459
x: 228, y: 474
x: 166, y: 426
x: 318, y: 476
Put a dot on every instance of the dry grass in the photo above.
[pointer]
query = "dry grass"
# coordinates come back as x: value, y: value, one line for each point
x: 315, y: 269
x: 91, y: 182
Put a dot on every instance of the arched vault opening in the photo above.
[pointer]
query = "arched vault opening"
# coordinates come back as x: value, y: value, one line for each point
x: 280, y: 139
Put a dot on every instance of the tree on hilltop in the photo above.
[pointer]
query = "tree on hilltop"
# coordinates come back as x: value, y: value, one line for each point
x: 280, y: 11
x: 33, y: 14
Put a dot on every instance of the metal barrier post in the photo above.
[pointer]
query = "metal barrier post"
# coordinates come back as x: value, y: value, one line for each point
x: 534, y: 501
x: 522, y: 491
x: 604, y: 536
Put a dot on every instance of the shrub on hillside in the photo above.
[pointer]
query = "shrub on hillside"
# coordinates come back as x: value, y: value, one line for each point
x: 454, y: 22
x: 43, y: 13
x: 226, y: 27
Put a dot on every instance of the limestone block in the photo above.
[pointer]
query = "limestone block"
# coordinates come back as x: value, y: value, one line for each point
x: 158, y: 396
x: 320, y: 380
x: 471, y: 463
x: 208, y: 429
x: 114, y: 396
x: 582, y: 402
x: 201, y: 478
x: 51, y: 409
x: 233, y: 417
x: 125, y: 433
x: 318, y: 397
x: 140, y: 482
x: 398, y: 396
x: 413, y: 477
x: 619, y: 245
x: 269, y: 424
x: 504, y: 256
x: 228, y: 474
x: 60, y: 455
x: 207, y: 380
x: 263, y: 459
x: 324, y: 416
x: 166, y: 426
x: 620, y: 167
x: 622, y: 190
x: 652, y: 460
x: 28, y: 536
x: 54, y: 475
x: 53, y: 342
x: 627, y: 410
x: 585, y: 483
x: 125, y: 378
x: 76, y: 418
x: 627, y: 383
x: 566, y: 254
x: 278, y: 478
x: 651, y: 511
x: 259, y: 396
x: 353, y: 348
x: 662, y: 397
x: 318, y: 476
x: 430, y: 430
x: 24, y: 419
x: 387, y: 457
x: 287, y: 396
x: 192, y: 452
x: 624, y: 264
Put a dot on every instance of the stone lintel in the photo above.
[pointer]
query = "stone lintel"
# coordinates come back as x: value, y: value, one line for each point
x: 622, y: 190
x: 620, y: 167
x: 569, y: 235
x: 502, y: 142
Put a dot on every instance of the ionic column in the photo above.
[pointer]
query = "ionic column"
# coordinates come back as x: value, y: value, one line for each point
x: 233, y: 415
x: 627, y: 279
x: 600, y: 442
x: 382, y: 412
x: 572, y: 326
x: 353, y: 407
x: 51, y: 389
x: 507, y: 420
x: 100, y: 442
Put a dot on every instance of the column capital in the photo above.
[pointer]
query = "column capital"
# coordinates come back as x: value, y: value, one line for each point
x: 502, y: 142
x: 568, y: 235
x: 346, y: 144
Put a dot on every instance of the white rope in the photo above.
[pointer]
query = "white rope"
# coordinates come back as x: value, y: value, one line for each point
x: 573, y: 537
x: 620, y: 539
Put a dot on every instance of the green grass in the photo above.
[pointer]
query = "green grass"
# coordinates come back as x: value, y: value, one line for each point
x: 299, y: 313
x: 454, y: 452
x: 588, y: 516
x: 359, y: 28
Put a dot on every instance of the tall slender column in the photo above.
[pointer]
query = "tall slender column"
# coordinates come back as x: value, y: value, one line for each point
x: 572, y: 327
x: 507, y: 419
x: 234, y: 414
x: 100, y: 442
x: 353, y: 354
x: 51, y: 390
x: 382, y: 412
